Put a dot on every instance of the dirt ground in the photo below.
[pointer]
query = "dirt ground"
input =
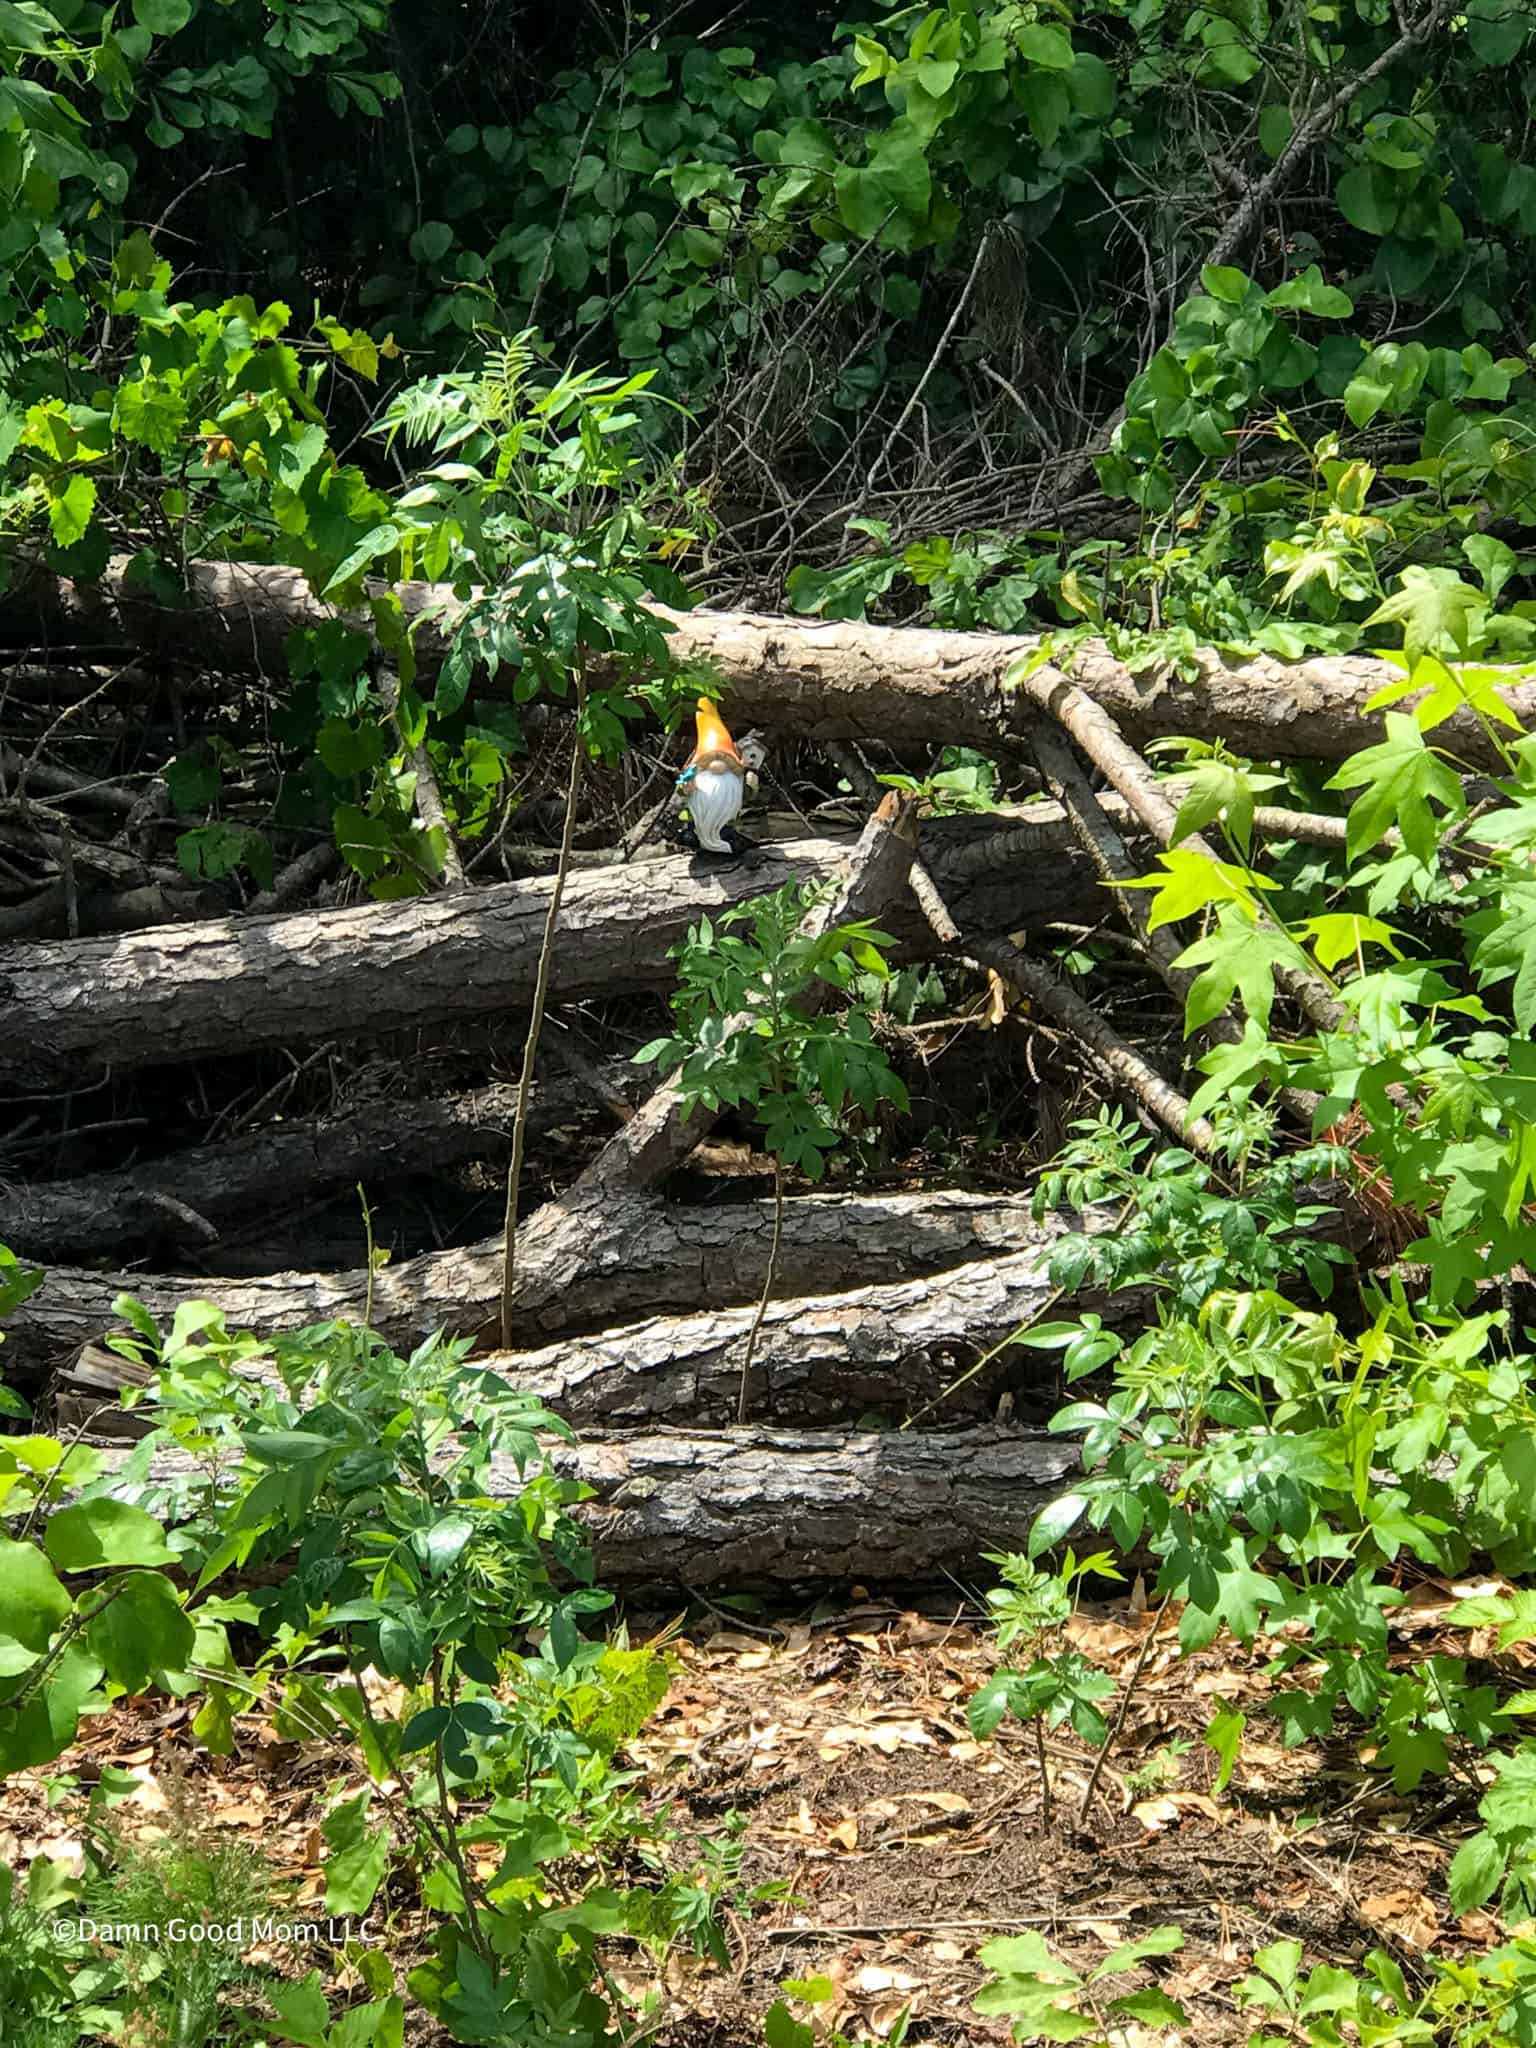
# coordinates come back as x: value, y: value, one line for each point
x: 898, y: 1843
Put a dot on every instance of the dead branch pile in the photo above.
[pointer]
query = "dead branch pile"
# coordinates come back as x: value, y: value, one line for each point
x: 185, y: 1064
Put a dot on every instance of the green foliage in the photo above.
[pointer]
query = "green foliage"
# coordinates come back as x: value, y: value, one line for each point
x: 801, y: 1071
x: 1047, y: 2000
x: 425, y: 1541
x: 1057, y: 1684
x: 781, y: 2029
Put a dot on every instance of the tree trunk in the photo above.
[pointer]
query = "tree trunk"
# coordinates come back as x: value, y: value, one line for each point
x: 813, y: 678
x: 895, y: 1351
x: 159, y: 1205
x: 770, y: 1507
x: 889, y: 1350
x: 70, y: 1007
x: 644, y: 1257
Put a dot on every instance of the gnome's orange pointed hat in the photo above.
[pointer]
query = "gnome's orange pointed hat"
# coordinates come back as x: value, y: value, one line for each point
x: 713, y: 737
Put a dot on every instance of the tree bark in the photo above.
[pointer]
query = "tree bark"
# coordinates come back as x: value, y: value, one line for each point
x: 814, y: 678
x: 886, y: 1350
x: 643, y: 1257
x: 891, y: 1350
x: 70, y: 1007
x: 770, y: 1507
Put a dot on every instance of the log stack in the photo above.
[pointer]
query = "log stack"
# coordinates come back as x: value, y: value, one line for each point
x: 631, y: 1306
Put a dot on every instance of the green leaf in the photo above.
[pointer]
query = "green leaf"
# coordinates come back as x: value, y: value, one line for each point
x: 1056, y: 1521
x: 193, y: 781
x: 1496, y: 30
x: 1049, y: 47
x: 1150, y: 2008
x: 1493, y: 559
x: 782, y: 2030
x: 431, y: 241
x: 359, y: 1858
x: 1506, y: 947
x: 302, y: 2014
x: 71, y: 502
x: 162, y: 17
x: 28, y: 29
x: 44, y: 1728
x: 1368, y: 199
x: 1224, y: 1733
x: 1400, y: 779
x: 298, y: 457
x: 1307, y: 293
x: 32, y: 1601
x: 1475, y: 1872
x: 1190, y: 883
x: 1160, y: 1941
x: 105, y: 1532
x: 142, y: 1631
x: 1226, y: 284
x: 1275, y: 125
x: 381, y: 542
x: 895, y: 183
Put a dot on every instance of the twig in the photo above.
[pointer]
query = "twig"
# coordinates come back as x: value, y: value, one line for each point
x: 429, y: 797
x: 1100, y: 738
x: 295, y: 880
x: 933, y: 363
x: 1119, y: 1060
x: 1119, y: 1721
x: 743, y: 1398
x: 536, y: 1018
x: 1045, y: 1775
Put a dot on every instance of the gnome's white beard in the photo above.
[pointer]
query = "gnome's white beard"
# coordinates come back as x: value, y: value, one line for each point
x: 714, y: 798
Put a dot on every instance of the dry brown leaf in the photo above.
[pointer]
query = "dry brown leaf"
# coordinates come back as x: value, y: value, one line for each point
x: 845, y: 1833
x: 67, y: 1850
x: 146, y: 1794
x: 876, y: 1977
x: 731, y: 1642
x: 886, y: 1735
x: 946, y: 1952
x: 917, y: 1632
x: 1097, y: 1638
x: 1406, y: 1913
x: 1169, y: 1808
x: 942, y: 1802
x: 883, y: 2016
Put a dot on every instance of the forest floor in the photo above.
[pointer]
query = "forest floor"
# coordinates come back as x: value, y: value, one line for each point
x: 894, y: 1844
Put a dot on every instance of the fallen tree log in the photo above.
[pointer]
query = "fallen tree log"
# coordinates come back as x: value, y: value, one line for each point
x: 890, y: 1350
x: 876, y: 1350
x: 643, y: 1257
x: 815, y: 678
x: 70, y: 1007
x: 160, y: 1204
x: 769, y: 1507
